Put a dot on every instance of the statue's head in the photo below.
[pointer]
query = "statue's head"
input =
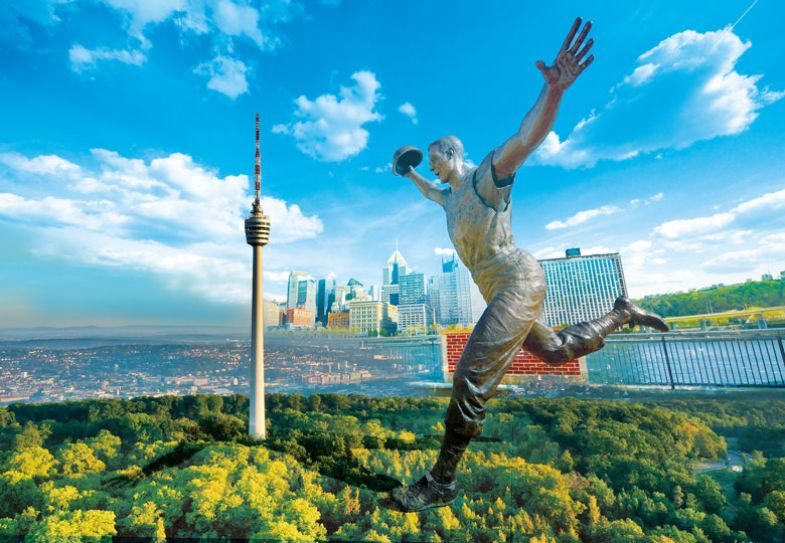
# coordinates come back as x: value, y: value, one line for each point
x: 445, y: 156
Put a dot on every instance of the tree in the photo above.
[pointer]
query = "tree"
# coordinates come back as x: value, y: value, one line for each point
x: 73, y: 526
x: 77, y: 459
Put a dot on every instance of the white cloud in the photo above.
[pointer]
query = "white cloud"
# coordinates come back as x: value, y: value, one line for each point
x: 408, y: 109
x: 170, y: 217
x: 140, y: 13
x: 689, y: 227
x: 581, y: 217
x: 443, y: 251
x: 227, y: 75
x: 239, y: 20
x: 83, y: 59
x: 43, y: 164
x: 223, y: 17
x: 223, y: 21
x: 680, y: 228
x: 332, y: 126
x: 646, y: 201
x: 685, y: 89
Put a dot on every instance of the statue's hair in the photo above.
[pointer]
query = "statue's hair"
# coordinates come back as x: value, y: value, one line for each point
x: 444, y: 144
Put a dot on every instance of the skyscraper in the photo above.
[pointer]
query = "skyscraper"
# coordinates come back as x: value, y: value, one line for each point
x: 581, y: 288
x: 395, y: 268
x: 455, y: 304
x: 340, y: 294
x: 412, y: 289
x: 433, y: 298
x: 413, y: 311
x: 306, y: 296
x: 294, y: 279
x: 325, y: 293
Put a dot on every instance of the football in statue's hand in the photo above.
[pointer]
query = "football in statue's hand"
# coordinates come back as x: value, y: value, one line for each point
x: 405, y: 157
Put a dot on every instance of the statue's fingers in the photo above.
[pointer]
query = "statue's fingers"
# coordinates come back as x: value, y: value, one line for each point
x: 586, y: 64
x: 581, y: 37
x: 573, y: 30
x: 542, y: 67
x: 585, y: 50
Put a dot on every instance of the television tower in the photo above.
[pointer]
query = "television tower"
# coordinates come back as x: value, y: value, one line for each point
x: 257, y: 234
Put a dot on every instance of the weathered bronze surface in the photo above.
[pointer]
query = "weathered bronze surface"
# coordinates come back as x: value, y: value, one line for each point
x: 477, y: 203
x: 405, y: 158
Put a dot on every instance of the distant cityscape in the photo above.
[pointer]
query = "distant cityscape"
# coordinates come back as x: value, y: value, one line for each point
x: 39, y: 371
x: 409, y: 303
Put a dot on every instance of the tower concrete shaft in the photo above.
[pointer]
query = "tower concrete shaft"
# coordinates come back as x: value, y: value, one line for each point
x: 257, y: 234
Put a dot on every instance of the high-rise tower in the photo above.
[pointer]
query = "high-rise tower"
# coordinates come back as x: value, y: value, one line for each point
x: 257, y: 234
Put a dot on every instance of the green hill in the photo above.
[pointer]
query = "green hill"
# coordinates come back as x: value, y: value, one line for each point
x: 717, y: 299
x: 544, y: 471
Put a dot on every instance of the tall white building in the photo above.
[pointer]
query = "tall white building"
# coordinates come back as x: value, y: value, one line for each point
x: 294, y: 283
x: 414, y: 313
x: 395, y: 268
x: 581, y: 288
x: 306, y: 296
x: 339, y: 300
x: 455, y: 299
x: 434, y: 300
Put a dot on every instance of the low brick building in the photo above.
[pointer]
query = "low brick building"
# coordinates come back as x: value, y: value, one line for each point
x: 524, y: 367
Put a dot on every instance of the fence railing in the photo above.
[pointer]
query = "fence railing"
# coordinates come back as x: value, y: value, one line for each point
x: 754, y: 358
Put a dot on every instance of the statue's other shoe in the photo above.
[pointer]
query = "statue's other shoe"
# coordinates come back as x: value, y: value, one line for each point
x: 424, y: 494
x: 640, y: 316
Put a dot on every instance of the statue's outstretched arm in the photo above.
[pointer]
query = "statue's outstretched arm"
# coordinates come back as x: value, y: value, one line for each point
x: 538, y: 122
x: 429, y: 190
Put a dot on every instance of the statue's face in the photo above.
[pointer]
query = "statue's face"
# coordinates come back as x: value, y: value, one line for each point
x: 441, y: 164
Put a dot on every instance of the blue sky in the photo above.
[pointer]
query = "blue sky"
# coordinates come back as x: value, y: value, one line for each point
x: 126, y: 144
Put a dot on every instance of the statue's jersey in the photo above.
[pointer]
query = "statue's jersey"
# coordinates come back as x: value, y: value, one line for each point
x: 478, y: 222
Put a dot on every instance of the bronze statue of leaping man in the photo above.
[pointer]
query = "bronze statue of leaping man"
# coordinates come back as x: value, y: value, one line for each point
x: 477, y: 204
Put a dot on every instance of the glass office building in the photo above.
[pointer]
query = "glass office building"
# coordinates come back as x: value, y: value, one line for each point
x: 581, y: 288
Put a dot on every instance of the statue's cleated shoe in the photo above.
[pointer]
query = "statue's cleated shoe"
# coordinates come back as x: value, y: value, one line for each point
x: 425, y: 493
x: 640, y: 316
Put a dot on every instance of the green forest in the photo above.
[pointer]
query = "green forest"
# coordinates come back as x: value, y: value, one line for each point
x: 717, y: 299
x: 544, y: 470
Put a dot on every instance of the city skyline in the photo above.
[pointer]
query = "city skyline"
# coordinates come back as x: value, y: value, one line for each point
x: 126, y: 157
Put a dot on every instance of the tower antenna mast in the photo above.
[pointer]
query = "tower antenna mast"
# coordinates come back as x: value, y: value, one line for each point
x: 257, y: 234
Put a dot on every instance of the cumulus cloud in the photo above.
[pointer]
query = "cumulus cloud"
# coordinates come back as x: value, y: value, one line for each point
x: 443, y: 251
x: 227, y: 75
x: 581, y: 217
x: 43, y: 164
x: 408, y: 109
x: 227, y: 18
x: 681, y: 228
x: 690, y: 227
x: 224, y: 22
x: 331, y: 128
x: 83, y: 59
x: 685, y: 89
x: 168, y: 216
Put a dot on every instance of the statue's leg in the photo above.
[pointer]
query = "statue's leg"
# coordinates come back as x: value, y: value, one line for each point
x: 586, y: 337
x: 496, y: 339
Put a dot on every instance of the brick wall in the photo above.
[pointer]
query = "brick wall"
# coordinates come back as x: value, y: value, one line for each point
x: 524, y: 366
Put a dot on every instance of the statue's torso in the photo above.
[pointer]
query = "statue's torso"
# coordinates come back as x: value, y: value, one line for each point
x: 482, y: 236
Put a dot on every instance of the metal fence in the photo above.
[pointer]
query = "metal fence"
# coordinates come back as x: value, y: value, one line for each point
x: 753, y: 358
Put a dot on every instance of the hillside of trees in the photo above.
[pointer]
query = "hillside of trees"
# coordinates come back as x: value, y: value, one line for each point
x: 565, y: 471
x: 717, y: 299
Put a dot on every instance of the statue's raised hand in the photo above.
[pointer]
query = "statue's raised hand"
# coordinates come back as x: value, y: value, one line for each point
x: 567, y: 66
